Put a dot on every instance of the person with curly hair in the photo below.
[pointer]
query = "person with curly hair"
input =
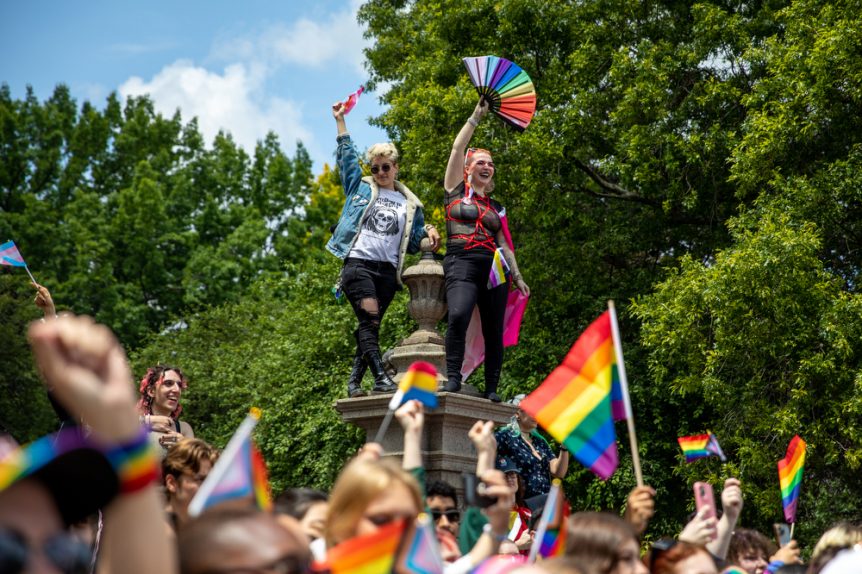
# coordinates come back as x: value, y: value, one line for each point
x: 159, y: 405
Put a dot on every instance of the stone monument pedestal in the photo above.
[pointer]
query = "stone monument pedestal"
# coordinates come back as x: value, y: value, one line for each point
x: 446, y: 449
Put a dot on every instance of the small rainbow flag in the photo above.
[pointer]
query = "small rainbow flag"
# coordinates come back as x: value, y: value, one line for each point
x: 550, y: 540
x: 351, y: 100
x: 9, y: 255
x: 373, y: 553
x: 423, y: 554
x: 240, y: 472
x: 790, y: 476
x: 499, y: 269
x: 419, y: 383
x: 580, y: 400
x: 700, y: 446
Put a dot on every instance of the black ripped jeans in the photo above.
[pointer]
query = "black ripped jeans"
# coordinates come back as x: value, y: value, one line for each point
x: 467, y: 286
x: 362, y: 279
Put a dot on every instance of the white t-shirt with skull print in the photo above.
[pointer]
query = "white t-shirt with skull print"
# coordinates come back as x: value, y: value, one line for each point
x: 380, y: 233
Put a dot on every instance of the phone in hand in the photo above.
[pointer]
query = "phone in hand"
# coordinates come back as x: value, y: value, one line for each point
x: 782, y: 534
x: 703, y: 496
x: 474, y: 492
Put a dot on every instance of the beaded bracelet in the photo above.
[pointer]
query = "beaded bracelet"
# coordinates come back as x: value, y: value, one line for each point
x: 135, y: 463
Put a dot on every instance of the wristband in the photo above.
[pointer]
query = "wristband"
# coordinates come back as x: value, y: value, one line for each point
x: 473, y: 122
x: 490, y: 532
x: 134, y: 463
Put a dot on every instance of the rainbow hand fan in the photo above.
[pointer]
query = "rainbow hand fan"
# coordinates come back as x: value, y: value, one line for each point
x: 507, y: 88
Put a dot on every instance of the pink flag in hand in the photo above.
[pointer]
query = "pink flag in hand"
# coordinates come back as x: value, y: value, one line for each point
x: 351, y: 100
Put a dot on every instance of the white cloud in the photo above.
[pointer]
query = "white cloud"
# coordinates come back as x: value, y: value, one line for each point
x: 226, y: 101
x: 305, y: 42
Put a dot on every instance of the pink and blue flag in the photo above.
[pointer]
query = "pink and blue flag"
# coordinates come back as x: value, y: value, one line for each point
x: 9, y: 255
x: 240, y: 472
x: 423, y: 555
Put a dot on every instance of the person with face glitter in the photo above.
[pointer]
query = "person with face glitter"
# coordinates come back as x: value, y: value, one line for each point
x: 475, y: 230
x: 381, y: 221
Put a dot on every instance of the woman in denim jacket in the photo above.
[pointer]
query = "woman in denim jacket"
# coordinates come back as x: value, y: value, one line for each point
x: 380, y: 222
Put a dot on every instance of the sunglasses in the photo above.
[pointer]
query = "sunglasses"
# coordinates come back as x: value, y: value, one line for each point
x: 451, y: 515
x: 67, y: 553
x: 375, y: 169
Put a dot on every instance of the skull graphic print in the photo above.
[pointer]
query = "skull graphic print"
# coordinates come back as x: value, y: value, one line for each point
x: 382, y: 220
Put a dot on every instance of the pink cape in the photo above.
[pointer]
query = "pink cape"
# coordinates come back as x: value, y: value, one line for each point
x: 474, y: 347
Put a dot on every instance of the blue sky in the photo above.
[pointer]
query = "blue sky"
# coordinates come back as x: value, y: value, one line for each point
x: 246, y: 67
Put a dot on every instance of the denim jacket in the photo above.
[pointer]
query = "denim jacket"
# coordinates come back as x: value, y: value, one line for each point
x: 361, y: 193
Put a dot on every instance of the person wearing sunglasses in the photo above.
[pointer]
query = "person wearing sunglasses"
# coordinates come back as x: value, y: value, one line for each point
x: 475, y: 229
x: 61, y: 479
x: 441, y: 499
x: 382, y: 220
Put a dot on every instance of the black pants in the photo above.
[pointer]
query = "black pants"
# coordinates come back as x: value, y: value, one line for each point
x: 467, y: 286
x: 362, y: 280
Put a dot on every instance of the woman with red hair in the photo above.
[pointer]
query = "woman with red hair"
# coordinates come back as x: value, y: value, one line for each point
x: 475, y: 230
x: 159, y: 405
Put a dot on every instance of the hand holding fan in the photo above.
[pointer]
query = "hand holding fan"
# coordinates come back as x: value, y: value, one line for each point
x: 507, y: 88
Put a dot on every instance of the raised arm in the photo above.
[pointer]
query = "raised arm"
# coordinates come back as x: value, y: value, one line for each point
x: 87, y: 369
x: 338, y: 114
x: 411, y: 417
x: 731, y: 504
x: 482, y: 435
x: 455, y: 167
x: 345, y: 153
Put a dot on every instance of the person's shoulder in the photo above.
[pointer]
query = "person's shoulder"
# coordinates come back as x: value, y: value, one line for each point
x: 457, y: 190
x: 186, y: 430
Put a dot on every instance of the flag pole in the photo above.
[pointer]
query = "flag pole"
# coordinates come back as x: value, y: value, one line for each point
x: 33, y: 279
x: 792, y: 526
x: 384, y: 426
x: 624, y: 386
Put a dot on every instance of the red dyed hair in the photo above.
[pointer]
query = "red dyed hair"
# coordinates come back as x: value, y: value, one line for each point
x: 153, y: 378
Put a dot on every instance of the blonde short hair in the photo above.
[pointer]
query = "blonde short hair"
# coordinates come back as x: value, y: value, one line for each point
x: 357, y: 486
x: 385, y: 150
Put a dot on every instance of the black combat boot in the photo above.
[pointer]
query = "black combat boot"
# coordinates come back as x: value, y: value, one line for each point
x: 382, y: 382
x: 354, y: 383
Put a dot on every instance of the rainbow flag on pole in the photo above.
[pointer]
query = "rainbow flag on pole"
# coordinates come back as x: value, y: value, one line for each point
x: 351, y: 100
x: 419, y: 383
x: 499, y: 269
x: 790, y: 476
x: 700, y: 446
x: 580, y: 400
x: 240, y: 472
x: 373, y: 553
x: 9, y: 255
x: 550, y: 540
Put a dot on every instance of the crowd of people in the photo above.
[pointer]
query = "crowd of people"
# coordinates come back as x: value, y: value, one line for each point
x: 110, y: 491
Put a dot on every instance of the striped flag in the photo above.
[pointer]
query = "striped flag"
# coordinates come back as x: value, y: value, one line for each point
x: 240, y: 472
x: 423, y: 554
x: 351, y: 100
x: 550, y: 540
x: 700, y: 446
x: 419, y: 383
x: 9, y: 255
x: 790, y: 476
x: 499, y: 269
x: 580, y: 400
x: 373, y: 553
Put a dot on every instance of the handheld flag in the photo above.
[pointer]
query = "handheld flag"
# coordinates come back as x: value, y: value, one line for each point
x: 790, y: 477
x: 423, y: 555
x: 240, y: 472
x: 550, y: 540
x: 9, y: 255
x: 351, y: 100
x: 700, y: 446
x: 579, y: 401
x: 370, y: 554
x: 499, y: 269
x: 419, y: 383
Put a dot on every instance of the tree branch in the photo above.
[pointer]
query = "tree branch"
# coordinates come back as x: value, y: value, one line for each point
x: 614, y: 190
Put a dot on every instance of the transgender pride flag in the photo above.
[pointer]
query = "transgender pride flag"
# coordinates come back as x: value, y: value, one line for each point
x: 240, y: 472
x: 9, y: 255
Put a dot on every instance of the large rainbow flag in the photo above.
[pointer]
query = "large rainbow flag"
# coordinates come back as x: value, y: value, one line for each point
x: 373, y: 553
x: 700, y: 446
x: 580, y: 400
x: 419, y: 383
x: 550, y: 540
x: 240, y: 472
x: 790, y: 476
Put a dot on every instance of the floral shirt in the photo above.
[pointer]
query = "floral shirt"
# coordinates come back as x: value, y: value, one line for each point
x: 536, y: 473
